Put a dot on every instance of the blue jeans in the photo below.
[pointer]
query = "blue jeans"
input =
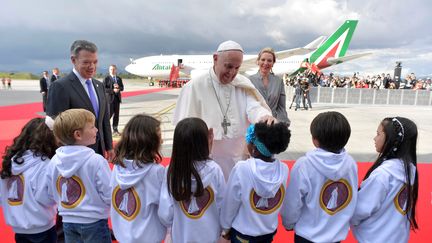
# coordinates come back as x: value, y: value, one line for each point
x: 97, y: 232
x: 49, y: 236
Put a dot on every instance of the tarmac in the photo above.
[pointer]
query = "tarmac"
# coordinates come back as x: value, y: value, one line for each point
x: 364, y: 119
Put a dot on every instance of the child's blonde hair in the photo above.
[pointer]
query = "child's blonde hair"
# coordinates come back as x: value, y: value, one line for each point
x: 67, y: 122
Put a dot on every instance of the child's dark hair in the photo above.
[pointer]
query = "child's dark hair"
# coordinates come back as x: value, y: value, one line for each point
x: 332, y: 130
x: 140, y: 141
x: 275, y: 137
x: 36, y: 137
x: 190, y: 146
x: 401, y: 142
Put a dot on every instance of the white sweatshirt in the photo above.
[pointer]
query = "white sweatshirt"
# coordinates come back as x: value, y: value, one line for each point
x: 20, y: 208
x: 198, y: 219
x: 321, y: 196
x: 254, y: 195
x: 380, y: 211
x: 135, y: 201
x: 78, y: 179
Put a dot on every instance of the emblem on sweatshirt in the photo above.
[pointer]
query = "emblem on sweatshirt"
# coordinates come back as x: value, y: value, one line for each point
x: 126, y: 202
x: 196, y: 206
x: 71, y: 191
x: 335, y: 196
x: 263, y: 205
x: 15, y: 186
x: 401, y: 200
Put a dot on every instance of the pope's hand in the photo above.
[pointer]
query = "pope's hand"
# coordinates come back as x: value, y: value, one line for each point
x: 268, y: 119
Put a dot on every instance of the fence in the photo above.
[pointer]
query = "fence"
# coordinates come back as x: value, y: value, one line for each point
x: 368, y: 96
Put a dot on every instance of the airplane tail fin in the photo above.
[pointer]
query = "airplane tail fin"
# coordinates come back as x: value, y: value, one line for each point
x: 335, y: 46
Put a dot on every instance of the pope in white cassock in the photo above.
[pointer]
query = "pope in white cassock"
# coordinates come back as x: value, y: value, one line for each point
x: 228, y: 102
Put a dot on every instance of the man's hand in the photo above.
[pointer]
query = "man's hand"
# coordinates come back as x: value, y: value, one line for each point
x: 109, y: 155
x: 268, y: 119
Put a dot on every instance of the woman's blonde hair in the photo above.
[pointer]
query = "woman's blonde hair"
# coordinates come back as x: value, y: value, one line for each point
x: 267, y: 50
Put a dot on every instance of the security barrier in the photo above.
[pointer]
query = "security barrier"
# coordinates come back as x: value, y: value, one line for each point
x: 328, y: 95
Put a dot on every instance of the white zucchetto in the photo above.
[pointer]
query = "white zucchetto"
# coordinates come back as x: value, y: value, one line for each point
x: 229, y: 46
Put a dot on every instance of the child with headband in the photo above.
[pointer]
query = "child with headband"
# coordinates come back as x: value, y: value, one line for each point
x: 387, y: 197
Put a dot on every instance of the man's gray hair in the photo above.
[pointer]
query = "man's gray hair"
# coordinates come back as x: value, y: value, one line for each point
x: 79, y: 45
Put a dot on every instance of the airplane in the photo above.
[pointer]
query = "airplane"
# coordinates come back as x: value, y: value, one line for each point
x: 320, y: 53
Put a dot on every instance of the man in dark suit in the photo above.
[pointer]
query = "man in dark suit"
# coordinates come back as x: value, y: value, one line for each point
x: 79, y: 90
x: 113, y: 88
x: 44, y: 84
x: 55, y: 75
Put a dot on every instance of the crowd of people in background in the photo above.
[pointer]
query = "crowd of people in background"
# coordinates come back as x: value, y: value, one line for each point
x: 379, y: 81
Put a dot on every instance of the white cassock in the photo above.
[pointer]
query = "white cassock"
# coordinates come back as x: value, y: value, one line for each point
x: 239, y: 100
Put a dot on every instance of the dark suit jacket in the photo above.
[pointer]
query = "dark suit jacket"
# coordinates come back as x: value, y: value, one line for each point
x: 68, y: 92
x: 109, y: 88
x: 53, y: 78
x: 43, y: 84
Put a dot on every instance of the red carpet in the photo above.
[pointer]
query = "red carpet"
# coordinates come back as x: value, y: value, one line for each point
x: 141, y: 92
x: 12, y: 119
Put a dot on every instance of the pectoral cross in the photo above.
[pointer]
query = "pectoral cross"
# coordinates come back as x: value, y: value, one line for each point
x: 225, y: 123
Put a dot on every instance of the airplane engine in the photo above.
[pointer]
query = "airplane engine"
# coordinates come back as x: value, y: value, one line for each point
x: 197, y: 72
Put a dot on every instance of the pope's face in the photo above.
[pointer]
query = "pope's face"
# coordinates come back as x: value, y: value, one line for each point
x: 227, y: 65
x: 85, y: 63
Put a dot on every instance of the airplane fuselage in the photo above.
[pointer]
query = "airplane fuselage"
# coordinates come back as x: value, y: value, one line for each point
x: 160, y: 66
x: 319, y: 53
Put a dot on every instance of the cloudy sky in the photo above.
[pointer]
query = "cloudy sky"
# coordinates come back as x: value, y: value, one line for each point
x: 36, y: 35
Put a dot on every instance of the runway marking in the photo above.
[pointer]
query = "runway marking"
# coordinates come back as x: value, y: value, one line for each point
x: 158, y: 114
x: 165, y: 110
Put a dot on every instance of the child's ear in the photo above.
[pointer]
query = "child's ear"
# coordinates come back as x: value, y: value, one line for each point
x: 77, y: 135
x: 315, y: 142
x: 254, y: 151
x: 210, y: 138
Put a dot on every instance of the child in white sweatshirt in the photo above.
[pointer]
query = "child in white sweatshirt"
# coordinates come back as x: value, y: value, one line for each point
x: 136, y: 182
x: 78, y: 179
x: 24, y: 165
x: 191, y: 196
x: 322, y: 192
x: 387, y: 199
x: 256, y: 186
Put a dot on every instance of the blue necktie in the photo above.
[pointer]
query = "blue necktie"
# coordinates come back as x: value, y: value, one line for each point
x: 92, y: 97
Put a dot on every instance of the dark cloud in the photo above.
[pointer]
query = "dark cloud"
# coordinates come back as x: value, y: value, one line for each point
x: 38, y: 36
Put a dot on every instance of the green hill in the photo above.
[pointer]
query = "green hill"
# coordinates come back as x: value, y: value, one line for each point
x: 18, y: 75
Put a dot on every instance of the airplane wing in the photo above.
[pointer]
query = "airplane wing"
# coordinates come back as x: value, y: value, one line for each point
x: 250, y: 63
x: 333, y: 60
x: 301, y: 50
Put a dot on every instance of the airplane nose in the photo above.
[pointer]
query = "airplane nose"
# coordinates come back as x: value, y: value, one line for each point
x: 129, y: 68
